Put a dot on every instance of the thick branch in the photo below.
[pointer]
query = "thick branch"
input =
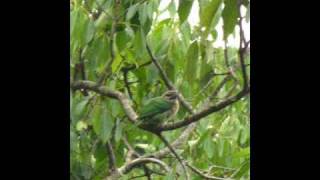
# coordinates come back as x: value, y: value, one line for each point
x: 132, y: 153
x: 124, y: 101
x: 207, y: 111
x: 140, y: 161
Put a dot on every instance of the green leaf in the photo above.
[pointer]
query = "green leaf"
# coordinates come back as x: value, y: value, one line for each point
x: 79, y: 109
x: 116, y: 63
x: 206, y: 72
x: 132, y: 11
x: 170, y: 176
x: 170, y: 70
x: 82, y: 29
x: 143, y: 13
x: 139, y: 44
x: 242, y: 153
x: 81, y: 125
x: 90, y: 31
x: 208, y: 9
x: 184, y: 9
x: 172, y: 9
x: 115, y: 107
x: 161, y: 37
x: 102, y: 123
x: 221, y: 144
x: 97, y: 54
x: 242, y: 171
x: 102, y: 22
x: 192, y: 59
x: 100, y: 155
x: 122, y: 38
x: 216, y: 18
x: 150, y: 9
x: 208, y: 147
x: 185, y: 30
x: 229, y: 15
x: 214, y: 34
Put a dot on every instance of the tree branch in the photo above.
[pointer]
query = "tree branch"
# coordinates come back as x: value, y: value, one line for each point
x: 124, y: 101
x: 132, y: 152
x: 167, y: 81
x: 126, y: 83
x: 134, y: 67
x: 80, y: 69
x: 219, y: 87
x: 112, y: 158
x: 181, y: 161
x: 207, y: 111
x: 180, y: 141
x: 202, y: 174
x: 140, y: 161
x: 242, y: 48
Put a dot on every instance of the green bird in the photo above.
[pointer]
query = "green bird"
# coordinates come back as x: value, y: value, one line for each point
x: 158, y: 110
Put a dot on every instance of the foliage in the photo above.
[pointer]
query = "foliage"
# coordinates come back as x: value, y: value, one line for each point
x: 103, y: 31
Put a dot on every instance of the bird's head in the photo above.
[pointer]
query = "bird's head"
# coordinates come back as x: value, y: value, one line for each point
x: 171, y: 95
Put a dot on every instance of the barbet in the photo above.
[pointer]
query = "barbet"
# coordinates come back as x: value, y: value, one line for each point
x: 158, y: 110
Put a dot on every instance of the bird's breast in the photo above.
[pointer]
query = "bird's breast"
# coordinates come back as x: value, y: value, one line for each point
x: 175, y: 108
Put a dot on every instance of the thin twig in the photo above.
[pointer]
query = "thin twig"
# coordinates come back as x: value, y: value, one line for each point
x: 242, y: 49
x: 202, y: 174
x: 167, y: 81
x: 112, y: 158
x: 126, y: 83
x: 140, y: 176
x: 181, y: 161
x: 219, y: 87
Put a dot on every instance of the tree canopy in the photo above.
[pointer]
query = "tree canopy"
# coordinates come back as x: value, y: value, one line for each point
x: 123, y: 53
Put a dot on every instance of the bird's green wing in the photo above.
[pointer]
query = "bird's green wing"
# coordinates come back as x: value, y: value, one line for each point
x: 154, y: 107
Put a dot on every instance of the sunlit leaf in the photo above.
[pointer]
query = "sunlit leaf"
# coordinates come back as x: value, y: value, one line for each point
x: 131, y: 11
x: 116, y: 63
x: 230, y: 14
x: 184, y: 9
x: 192, y: 59
x: 172, y: 9
x: 208, y: 9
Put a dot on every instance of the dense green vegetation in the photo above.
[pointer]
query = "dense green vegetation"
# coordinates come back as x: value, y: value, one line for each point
x: 113, y: 75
